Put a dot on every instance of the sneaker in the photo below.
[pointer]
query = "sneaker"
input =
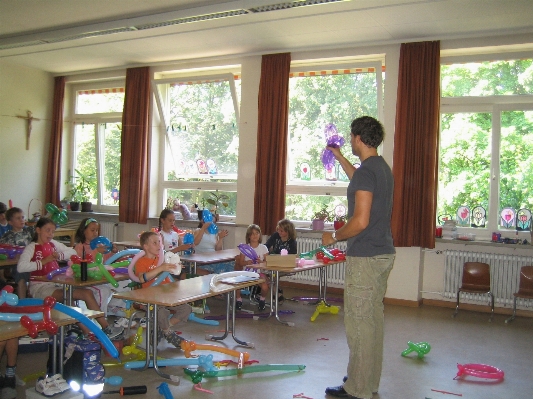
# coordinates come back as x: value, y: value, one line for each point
x: 124, y: 322
x: 10, y: 382
x: 238, y: 305
x: 59, y: 382
x: 173, y: 338
x: 142, y: 322
x: 281, y: 298
x: 46, y: 387
x: 262, y: 304
x: 113, y: 332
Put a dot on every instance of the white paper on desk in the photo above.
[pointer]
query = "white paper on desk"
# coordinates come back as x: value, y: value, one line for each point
x: 239, y: 279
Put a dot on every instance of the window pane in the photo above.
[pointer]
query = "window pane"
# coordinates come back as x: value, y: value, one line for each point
x: 303, y: 207
x: 99, y: 101
x: 203, y: 137
x: 465, y: 154
x: 516, y: 160
x: 487, y: 78
x: 111, y: 141
x: 191, y: 197
x: 316, y: 101
x: 85, y: 157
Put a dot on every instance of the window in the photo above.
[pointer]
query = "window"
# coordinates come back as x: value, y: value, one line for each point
x: 486, y: 152
x: 97, y: 131
x: 319, y: 97
x: 201, y: 139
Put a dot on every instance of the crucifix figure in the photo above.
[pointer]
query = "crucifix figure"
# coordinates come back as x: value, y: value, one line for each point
x: 30, y: 119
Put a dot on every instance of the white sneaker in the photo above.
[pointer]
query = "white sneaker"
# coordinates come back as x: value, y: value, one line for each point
x: 123, y: 322
x: 46, y: 387
x: 59, y: 382
x: 113, y: 332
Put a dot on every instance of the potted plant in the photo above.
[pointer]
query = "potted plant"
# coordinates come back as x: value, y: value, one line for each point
x: 216, y: 200
x: 320, y: 218
x: 80, y: 188
x: 340, y: 220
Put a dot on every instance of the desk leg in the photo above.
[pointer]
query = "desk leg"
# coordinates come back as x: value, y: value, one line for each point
x: 154, y: 349
x: 288, y: 323
x: 61, y: 349
x: 230, y: 299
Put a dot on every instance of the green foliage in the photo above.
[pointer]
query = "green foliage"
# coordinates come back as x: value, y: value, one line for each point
x: 81, y: 187
x: 323, y: 214
x: 217, y: 199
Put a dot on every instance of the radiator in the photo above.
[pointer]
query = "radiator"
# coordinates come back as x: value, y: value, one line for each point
x: 335, y: 272
x: 109, y: 230
x: 504, y: 271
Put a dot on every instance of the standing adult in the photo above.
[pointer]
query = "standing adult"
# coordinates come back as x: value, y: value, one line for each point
x: 370, y: 256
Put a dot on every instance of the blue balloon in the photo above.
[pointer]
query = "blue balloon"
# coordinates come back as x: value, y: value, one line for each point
x: 188, y: 238
x: 208, y: 217
x: 118, y: 255
x: 161, y: 277
x: 193, y: 317
x: 17, y: 316
x: 98, y: 333
x: 101, y: 240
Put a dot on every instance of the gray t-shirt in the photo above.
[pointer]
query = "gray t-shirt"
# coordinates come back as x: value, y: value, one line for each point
x: 374, y: 175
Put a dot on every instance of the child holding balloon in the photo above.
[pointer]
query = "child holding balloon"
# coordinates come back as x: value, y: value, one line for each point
x: 243, y: 262
x: 19, y: 235
x: 87, y: 231
x: 206, y: 241
x: 40, y: 257
x: 171, y: 239
x: 147, y: 269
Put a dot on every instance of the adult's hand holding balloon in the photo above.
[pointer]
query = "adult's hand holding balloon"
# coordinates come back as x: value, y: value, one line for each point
x: 332, y: 140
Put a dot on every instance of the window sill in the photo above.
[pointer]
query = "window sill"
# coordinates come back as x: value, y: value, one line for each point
x: 484, y: 243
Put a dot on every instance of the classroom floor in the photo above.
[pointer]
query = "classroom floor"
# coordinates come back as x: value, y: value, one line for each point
x: 321, y: 347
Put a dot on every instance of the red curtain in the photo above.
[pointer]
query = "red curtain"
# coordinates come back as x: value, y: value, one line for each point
x: 135, y: 152
x: 272, y: 137
x: 415, y: 163
x: 53, y: 174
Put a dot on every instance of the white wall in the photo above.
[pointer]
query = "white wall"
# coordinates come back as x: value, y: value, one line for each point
x: 23, y: 172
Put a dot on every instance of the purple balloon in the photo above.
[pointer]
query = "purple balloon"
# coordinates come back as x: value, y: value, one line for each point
x: 328, y: 159
x: 248, y: 251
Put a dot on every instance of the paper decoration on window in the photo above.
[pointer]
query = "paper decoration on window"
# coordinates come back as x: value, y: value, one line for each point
x: 479, y: 217
x: 190, y: 169
x: 340, y: 210
x: 523, y: 220
x: 463, y: 216
x: 442, y: 218
x: 115, y: 195
x: 507, y: 218
x: 181, y: 168
x: 330, y: 173
x: 202, y: 167
x: 305, y: 171
x: 211, y: 167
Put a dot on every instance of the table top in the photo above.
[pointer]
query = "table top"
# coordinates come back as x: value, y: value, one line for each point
x: 9, y: 262
x: 206, y: 258
x: 296, y: 269
x: 181, y: 291
x: 13, y: 329
x: 76, y: 282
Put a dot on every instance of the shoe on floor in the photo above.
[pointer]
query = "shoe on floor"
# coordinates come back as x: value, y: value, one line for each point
x: 339, y: 392
x: 113, y: 332
x: 142, y: 322
x: 124, y: 322
x: 262, y: 304
x: 46, y: 387
x: 59, y: 382
x: 173, y: 338
x: 238, y: 305
x: 10, y: 382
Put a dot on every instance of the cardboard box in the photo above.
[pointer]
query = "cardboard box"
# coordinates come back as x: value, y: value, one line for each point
x: 281, y: 261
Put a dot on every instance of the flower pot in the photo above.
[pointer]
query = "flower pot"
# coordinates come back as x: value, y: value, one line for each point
x: 337, y: 224
x: 86, y: 206
x: 74, y: 206
x: 318, y: 224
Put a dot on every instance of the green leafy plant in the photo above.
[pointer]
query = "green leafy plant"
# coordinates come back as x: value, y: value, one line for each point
x: 217, y: 199
x: 81, y: 187
x: 323, y: 214
x: 340, y: 218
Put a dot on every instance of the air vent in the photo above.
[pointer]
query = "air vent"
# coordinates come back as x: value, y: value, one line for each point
x: 90, y: 34
x: 198, y: 18
x: 18, y: 45
x: 291, y: 4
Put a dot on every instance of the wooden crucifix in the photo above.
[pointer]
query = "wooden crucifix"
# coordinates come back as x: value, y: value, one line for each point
x: 30, y: 120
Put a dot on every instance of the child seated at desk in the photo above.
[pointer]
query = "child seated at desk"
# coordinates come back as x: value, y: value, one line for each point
x: 253, y: 238
x: 20, y: 235
x: 40, y: 257
x: 146, y: 270
x: 204, y: 241
x: 8, y: 382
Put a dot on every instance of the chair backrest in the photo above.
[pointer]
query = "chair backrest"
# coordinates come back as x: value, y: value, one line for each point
x: 476, y: 276
x: 526, y: 280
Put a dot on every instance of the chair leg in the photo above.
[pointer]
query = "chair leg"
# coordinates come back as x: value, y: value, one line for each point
x: 510, y: 319
x: 457, y: 306
x: 491, y: 306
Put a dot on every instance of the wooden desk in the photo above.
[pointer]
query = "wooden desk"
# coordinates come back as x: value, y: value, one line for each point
x: 179, y: 293
x: 207, y: 258
x: 65, y: 232
x: 276, y: 272
x: 9, y: 262
x: 68, y: 282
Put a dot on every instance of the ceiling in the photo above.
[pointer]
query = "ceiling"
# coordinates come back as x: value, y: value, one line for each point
x: 66, y: 36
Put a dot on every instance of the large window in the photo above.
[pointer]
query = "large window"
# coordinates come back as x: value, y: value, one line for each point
x: 323, y: 99
x: 201, y: 115
x: 96, y: 144
x: 486, y: 143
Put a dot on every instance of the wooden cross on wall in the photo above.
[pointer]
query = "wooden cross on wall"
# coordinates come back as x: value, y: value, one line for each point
x: 30, y: 120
